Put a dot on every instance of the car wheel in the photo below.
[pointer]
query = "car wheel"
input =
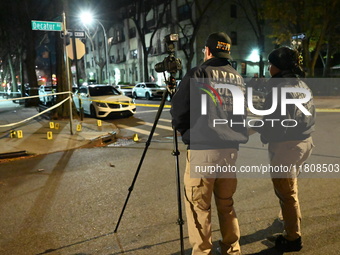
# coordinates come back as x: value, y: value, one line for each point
x: 147, y: 96
x: 134, y: 95
x: 93, y: 112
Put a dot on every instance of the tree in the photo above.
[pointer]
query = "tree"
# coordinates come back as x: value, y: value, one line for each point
x: 12, y: 42
x: 99, y: 60
x: 189, y: 35
x: 254, y: 14
x: 63, y: 111
x: 332, y: 42
x: 138, y: 12
x: 310, y: 17
x: 19, y: 48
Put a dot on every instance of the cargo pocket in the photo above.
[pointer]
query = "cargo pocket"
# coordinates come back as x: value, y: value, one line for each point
x: 198, y: 193
x: 192, y: 192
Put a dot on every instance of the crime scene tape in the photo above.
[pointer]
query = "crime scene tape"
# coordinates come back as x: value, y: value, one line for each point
x: 125, y: 103
x: 326, y: 110
x: 32, y: 117
x: 169, y: 106
x: 153, y: 105
x: 29, y: 97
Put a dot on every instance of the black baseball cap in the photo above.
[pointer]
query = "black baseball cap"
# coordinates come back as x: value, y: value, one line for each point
x: 219, y: 44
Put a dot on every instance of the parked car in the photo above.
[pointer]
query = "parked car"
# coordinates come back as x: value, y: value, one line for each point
x: 148, y: 90
x: 103, y: 101
x: 44, y: 91
x: 125, y: 89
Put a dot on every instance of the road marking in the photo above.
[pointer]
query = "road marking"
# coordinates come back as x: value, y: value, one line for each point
x: 158, y: 125
x: 139, y: 111
x: 146, y: 124
x: 165, y: 120
x: 135, y: 129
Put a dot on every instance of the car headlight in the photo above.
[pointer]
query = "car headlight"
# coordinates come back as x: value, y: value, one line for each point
x: 101, y: 104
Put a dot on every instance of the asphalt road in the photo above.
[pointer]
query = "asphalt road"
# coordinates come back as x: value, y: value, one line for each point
x: 69, y: 202
x: 142, y: 122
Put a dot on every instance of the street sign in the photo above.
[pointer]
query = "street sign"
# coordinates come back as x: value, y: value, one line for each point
x: 77, y: 34
x: 80, y: 49
x: 47, y: 25
x: 298, y: 36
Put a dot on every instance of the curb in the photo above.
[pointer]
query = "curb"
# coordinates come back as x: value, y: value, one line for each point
x: 102, y: 140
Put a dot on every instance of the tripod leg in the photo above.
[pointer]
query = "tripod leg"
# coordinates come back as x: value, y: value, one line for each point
x: 159, y: 112
x: 180, y: 220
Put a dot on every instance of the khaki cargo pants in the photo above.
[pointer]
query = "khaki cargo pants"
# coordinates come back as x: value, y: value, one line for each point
x: 198, y: 194
x: 290, y: 154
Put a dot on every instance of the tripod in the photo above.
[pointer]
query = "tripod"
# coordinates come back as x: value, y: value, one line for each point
x: 171, y: 84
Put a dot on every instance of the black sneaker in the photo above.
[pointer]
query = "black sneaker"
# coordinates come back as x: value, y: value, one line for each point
x: 284, y: 245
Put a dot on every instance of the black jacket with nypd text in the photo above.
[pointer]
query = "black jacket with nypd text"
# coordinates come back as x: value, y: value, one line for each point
x: 298, y: 120
x: 203, y: 113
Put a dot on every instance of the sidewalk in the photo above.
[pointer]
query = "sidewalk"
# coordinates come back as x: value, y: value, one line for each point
x: 42, y: 136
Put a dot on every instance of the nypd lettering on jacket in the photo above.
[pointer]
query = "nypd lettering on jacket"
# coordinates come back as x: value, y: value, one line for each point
x: 226, y: 77
x: 221, y: 94
x: 229, y: 92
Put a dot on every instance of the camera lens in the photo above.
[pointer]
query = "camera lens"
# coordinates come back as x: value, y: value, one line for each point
x: 159, y: 67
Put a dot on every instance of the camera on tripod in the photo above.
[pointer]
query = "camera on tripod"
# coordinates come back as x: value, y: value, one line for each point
x: 170, y: 64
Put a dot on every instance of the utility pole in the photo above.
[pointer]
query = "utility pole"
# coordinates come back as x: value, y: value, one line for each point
x: 67, y: 64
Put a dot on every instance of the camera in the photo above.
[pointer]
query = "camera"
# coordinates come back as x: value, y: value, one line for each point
x: 170, y: 64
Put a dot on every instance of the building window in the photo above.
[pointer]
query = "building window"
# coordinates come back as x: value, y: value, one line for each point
x: 150, y: 24
x: 133, y: 54
x: 112, y: 59
x: 233, y: 11
x: 243, y: 68
x: 124, y: 56
x: 118, y: 57
x: 184, y: 12
x: 132, y: 32
x: 233, y: 37
x: 118, y: 36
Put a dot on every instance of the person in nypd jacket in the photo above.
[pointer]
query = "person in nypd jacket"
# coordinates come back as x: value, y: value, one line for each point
x: 289, y: 138
x: 212, y: 149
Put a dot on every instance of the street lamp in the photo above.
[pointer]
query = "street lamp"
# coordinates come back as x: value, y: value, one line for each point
x: 254, y: 56
x: 87, y: 18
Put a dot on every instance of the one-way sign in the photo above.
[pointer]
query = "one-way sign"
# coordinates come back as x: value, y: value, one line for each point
x: 299, y: 36
x: 76, y: 34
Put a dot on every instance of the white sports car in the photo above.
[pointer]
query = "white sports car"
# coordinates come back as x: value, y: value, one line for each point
x: 103, y: 101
